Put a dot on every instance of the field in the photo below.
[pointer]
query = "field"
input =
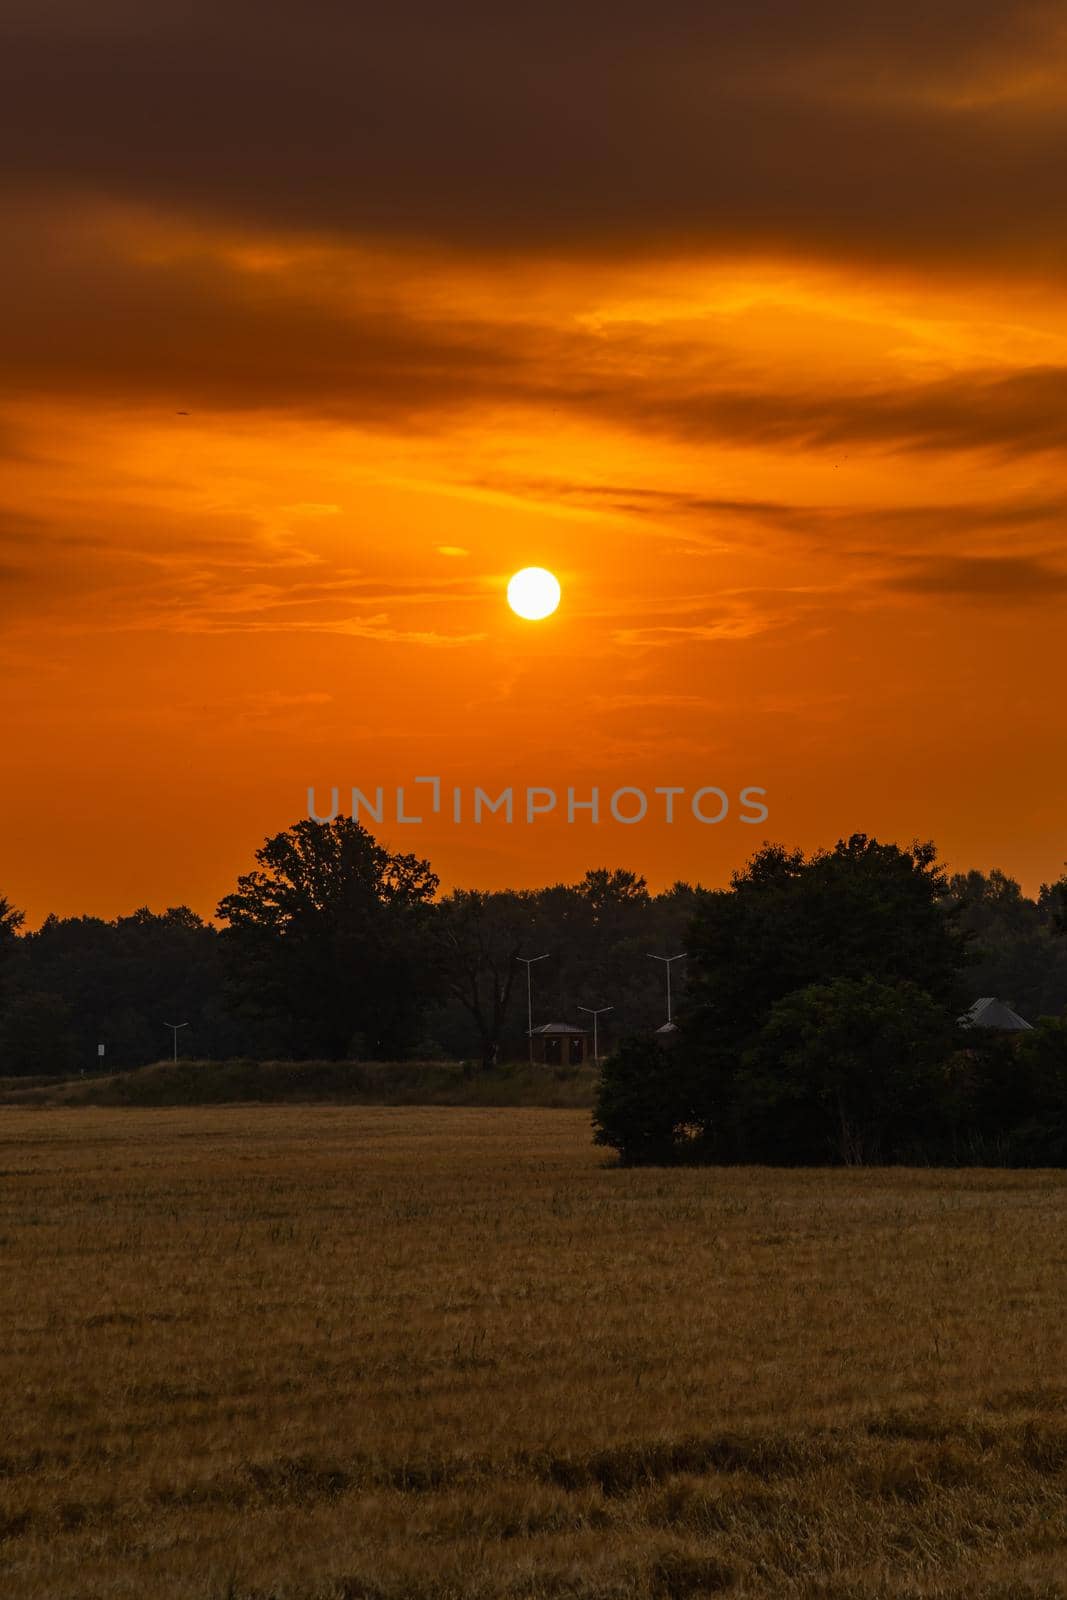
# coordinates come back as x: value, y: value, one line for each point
x: 344, y: 1353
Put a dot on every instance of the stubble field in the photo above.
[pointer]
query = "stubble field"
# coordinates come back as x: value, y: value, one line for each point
x: 343, y: 1353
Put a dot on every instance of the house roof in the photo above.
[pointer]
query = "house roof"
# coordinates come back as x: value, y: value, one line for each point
x: 993, y: 1013
x: 559, y: 1027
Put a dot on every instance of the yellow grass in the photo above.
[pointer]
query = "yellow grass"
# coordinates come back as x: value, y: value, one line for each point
x: 345, y: 1353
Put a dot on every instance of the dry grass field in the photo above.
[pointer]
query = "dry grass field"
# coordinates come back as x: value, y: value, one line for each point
x: 342, y: 1353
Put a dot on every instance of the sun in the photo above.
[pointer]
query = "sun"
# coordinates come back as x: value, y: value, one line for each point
x: 533, y: 593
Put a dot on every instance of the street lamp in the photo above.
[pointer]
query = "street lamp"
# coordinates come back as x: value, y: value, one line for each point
x: 667, y: 961
x: 596, y: 1016
x: 174, y: 1026
x: 528, y: 962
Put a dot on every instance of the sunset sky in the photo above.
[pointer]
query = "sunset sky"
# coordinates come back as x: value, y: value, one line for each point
x: 749, y: 321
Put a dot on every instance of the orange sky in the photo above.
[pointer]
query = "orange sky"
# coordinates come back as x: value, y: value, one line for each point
x: 757, y: 338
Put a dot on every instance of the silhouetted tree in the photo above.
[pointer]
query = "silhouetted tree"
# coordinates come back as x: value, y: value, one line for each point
x: 479, y: 939
x: 11, y: 920
x: 1053, y: 901
x: 1019, y: 955
x: 330, y: 937
x: 863, y: 911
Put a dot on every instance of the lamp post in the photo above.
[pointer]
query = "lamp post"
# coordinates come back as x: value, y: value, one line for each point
x: 528, y: 962
x: 596, y: 1016
x: 174, y: 1026
x: 668, y: 961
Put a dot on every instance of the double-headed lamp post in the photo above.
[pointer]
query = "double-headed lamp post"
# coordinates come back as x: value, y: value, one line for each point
x: 668, y: 961
x: 596, y: 1016
x: 174, y: 1026
x: 528, y: 962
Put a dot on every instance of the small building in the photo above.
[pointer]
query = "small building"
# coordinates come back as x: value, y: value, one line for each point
x: 557, y: 1044
x: 666, y: 1033
x: 992, y: 1013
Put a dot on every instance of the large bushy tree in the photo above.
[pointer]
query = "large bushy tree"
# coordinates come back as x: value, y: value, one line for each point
x: 859, y: 913
x: 329, y: 936
x: 853, y: 1071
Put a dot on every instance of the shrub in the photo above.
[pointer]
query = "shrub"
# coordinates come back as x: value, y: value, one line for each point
x: 634, y: 1112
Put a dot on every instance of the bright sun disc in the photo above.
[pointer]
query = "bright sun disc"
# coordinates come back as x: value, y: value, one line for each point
x: 533, y: 593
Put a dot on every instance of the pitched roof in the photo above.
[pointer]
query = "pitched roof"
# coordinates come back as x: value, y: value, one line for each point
x: 558, y: 1027
x: 992, y: 1013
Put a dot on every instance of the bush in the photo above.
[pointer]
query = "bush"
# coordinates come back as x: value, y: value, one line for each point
x: 634, y: 1112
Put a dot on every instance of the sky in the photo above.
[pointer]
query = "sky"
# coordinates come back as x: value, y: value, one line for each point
x: 316, y: 323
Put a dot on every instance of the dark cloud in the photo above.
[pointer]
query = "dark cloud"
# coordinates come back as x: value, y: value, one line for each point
x: 1019, y: 412
x: 888, y: 130
x: 196, y: 331
x: 995, y: 580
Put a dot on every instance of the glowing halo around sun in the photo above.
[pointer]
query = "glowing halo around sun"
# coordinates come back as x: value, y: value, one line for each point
x: 533, y: 593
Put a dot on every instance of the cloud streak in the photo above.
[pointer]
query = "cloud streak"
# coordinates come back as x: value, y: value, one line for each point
x: 200, y: 332
x: 1001, y: 581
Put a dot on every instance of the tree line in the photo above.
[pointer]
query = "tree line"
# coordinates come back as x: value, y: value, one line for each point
x: 333, y: 948
x: 804, y: 978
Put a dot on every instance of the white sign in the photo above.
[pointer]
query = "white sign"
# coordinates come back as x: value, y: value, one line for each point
x: 100, y: 1049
